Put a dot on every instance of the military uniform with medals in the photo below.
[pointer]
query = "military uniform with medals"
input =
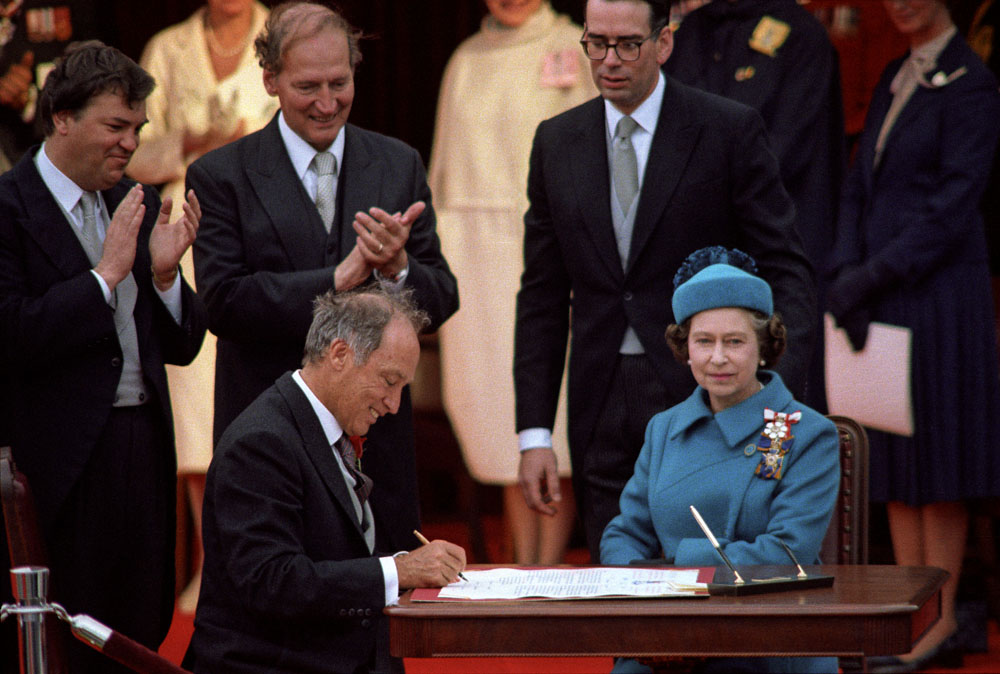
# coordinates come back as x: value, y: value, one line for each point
x: 776, y: 57
x: 44, y: 28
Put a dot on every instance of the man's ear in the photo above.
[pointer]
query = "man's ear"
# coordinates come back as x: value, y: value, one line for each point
x: 270, y: 85
x: 338, y: 353
x: 664, y: 44
x: 61, y: 121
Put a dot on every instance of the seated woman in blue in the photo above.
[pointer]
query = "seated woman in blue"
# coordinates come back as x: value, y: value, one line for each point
x: 760, y: 467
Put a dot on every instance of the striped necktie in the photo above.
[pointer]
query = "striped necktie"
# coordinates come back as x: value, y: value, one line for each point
x: 325, y: 165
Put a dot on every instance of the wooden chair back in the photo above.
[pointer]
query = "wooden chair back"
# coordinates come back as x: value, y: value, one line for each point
x: 846, y: 540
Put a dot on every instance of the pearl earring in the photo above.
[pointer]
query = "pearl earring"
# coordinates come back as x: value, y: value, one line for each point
x: 763, y: 362
x: 689, y: 361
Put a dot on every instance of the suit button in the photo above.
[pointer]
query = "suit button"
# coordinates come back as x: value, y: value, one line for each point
x: 343, y: 612
x: 366, y: 623
x: 142, y: 397
x: 116, y: 362
x: 351, y: 612
x: 331, y: 249
x: 628, y: 296
x: 368, y: 612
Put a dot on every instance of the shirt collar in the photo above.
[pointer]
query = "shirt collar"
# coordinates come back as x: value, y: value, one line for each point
x: 646, y: 115
x: 331, y: 428
x: 742, y: 419
x: 928, y: 52
x: 66, y: 192
x: 301, y: 153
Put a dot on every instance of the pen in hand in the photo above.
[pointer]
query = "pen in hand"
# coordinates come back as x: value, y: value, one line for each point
x: 423, y: 541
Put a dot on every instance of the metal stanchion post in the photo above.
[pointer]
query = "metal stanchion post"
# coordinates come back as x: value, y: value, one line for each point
x: 31, y: 589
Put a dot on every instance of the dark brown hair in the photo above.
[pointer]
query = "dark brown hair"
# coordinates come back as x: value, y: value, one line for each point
x: 86, y: 70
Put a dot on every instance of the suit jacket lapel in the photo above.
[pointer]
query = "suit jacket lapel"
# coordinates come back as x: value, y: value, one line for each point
x: 669, y: 153
x: 285, y: 201
x: 877, y: 110
x: 360, y: 185
x: 317, y: 448
x: 587, y: 158
x: 46, y: 224
x: 948, y: 61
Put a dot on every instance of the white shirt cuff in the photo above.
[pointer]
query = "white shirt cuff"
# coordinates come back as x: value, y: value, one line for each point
x: 391, y: 580
x: 396, y: 283
x: 530, y: 438
x: 171, y: 298
x: 104, y: 286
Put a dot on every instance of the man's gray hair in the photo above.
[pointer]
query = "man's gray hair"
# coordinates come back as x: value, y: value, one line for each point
x: 290, y: 22
x: 359, y: 318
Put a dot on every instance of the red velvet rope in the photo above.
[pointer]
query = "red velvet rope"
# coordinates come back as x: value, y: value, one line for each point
x: 137, y: 657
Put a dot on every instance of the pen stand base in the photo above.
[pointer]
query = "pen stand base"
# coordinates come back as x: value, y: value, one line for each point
x: 765, y: 585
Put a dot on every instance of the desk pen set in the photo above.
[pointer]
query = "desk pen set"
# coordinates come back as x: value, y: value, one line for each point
x: 739, y: 586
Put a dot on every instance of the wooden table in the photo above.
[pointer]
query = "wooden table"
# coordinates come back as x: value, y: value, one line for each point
x: 870, y: 610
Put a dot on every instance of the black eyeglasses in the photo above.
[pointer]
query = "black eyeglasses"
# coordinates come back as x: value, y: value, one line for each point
x: 627, y: 50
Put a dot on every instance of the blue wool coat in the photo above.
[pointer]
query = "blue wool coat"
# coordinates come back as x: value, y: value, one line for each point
x: 692, y: 457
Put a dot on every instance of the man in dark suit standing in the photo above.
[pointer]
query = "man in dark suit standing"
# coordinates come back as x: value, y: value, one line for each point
x: 622, y: 189
x: 296, y: 570
x: 91, y: 307
x: 307, y: 204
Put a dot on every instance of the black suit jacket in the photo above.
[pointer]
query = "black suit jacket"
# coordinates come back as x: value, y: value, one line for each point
x: 60, y: 351
x: 288, y: 583
x: 262, y: 255
x: 710, y: 179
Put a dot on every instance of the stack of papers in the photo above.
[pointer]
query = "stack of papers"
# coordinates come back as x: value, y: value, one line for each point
x: 581, y: 583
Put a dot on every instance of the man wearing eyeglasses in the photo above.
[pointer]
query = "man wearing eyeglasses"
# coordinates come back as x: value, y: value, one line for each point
x: 622, y: 189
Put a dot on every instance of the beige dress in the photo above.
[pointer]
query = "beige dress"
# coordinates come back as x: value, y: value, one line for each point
x: 499, y: 84
x: 188, y: 97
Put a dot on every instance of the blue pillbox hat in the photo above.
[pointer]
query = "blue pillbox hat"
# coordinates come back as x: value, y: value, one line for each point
x: 721, y: 285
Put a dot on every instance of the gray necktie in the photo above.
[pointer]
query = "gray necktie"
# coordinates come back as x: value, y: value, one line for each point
x: 92, y: 243
x: 325, y: 165
x: 623, y: 163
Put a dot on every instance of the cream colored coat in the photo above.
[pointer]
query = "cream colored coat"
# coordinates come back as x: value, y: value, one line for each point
x: 499, y: 84
x: 188, y: 97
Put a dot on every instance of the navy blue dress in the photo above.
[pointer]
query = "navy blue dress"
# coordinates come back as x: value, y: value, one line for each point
x: 911, y: 239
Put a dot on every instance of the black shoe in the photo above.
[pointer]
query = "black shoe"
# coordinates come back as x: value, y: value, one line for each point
x: 946, y: 655
x: 878, y: 663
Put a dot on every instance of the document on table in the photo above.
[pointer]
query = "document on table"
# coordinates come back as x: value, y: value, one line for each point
x: 582, y: 583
